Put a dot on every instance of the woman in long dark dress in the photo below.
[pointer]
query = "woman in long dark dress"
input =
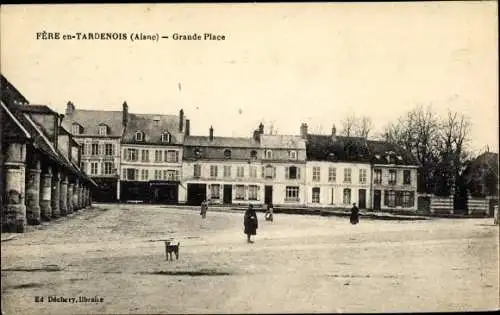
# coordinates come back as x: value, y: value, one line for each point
x: 250, y: 222
x: 354, y: 214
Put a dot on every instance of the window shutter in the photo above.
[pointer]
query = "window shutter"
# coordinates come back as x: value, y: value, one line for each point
x: 263, y: 172
x: 274, y: 171
x: 298, y: 172
x: 287, y: 173
x: 246, y: 192
x: 258, y: 193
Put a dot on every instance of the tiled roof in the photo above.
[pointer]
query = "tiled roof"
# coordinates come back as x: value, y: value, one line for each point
x: 37, y: 109
x: 9, y: 92
x: 91, y: 119
x: 223, y: 142
x: 383, y: 152
x: 153, y: 126
x: 343, y: 149
x: 282, y: 142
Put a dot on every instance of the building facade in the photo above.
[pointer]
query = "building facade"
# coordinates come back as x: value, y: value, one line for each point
x: 98, y: 133
x: 151, y: 166
x: 394, y: 177
x: 338, y: 171
x: 221, y: 170
x: 40, y: 175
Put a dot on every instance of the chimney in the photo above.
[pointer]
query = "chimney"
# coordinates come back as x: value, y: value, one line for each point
x: 181, y: 120
x: 334, y: 133
x: 303, y: 130
x: 125, y: 114
x: 256, y: 135
x: 70, y: 108
x: 187, y: 127
x: 211, y: 137
x: 261, y: 129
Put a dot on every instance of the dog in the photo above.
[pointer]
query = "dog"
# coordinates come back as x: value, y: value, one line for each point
x: 172, y: 249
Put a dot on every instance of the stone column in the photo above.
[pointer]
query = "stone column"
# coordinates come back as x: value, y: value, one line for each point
x: 70, y: 196
x: 75, y: 195
x: 33, y: 193
x: 86, y: 196
x: 63, y: 197
x: 46, y: 194
x: 55, y: 194
x: 14, y: 212
x: 80, y: 197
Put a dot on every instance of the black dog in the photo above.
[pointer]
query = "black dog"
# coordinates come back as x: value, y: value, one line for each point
x: 169, y: 249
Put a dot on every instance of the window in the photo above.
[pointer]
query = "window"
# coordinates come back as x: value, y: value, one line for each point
x: 75, y: 129
x: 144, y: 175
x: 95, y: 148
x: 197, y: 170
x: 292, y: 193
x: 362, y: 176
x: 109, y: 149
x: 399, y: 198
x: 377, y: 174
x: 269, y: 154
x: 145, y: 155
x: 315, y: 195
x: 227, y: 154
x: 392, y: 177
x: 389, y: 198
x: 103, y: 130
x: 165, y: 137
x: 240, y: 192
x: 407, y: 177
x: 158, y: 156
x: 253, y: 171
x: 347, y: 196
x: 108, y: 168
x: 132, y: 154
x: 197, y: 152
x: 292, y: 155
x: 332, y: 196
x: 347, y: 175
x: 408, y: 199
x: 253, y: 154
x: 213, y: 171
x: 132, y: 173
x: 139, y: 136
x: 292, y: 172
x: 82, y: 166
x: 82, y: 148
x: 253, y: 192
x: 124, y: 174
x: 215, y: 191
x: 227, y: 170
x: 93, y: 168
x: 172, y: 175
x: 269, y: 171
x: 240, y: 171
x: 157, y: 174
x: 332, y: 174
x: 172, y: 156
x: 316, y: 173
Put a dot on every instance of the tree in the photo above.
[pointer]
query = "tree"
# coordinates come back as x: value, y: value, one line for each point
x: 353, y: 126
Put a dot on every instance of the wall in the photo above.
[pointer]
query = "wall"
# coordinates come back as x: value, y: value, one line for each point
x: 150, y: 165
x: 398, y: 186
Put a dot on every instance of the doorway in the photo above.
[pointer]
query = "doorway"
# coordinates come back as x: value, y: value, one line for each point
x: 377, y: 198
x: 196, y: 194
x: 268, y: 194
x: 362, y: 198
x: 228, y: 194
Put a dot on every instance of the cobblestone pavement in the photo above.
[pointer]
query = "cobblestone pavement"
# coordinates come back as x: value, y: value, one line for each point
x: 297, y: 264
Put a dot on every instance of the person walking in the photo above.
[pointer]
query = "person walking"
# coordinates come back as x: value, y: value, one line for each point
x: 250, y: 222
x: 354, y: 214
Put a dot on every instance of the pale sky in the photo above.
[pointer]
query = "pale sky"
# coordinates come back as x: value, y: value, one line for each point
x: 280, y: 63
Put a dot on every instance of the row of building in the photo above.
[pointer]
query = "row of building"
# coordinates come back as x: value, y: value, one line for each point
x: 40, y: 178
x: 155, y: 159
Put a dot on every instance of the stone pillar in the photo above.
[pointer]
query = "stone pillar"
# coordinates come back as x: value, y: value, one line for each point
x: 14, y: 212
x: 33, y: 214
x: 55, y: 194
x: 63, y: 198
x: 75, y: 195
x: 80, y: 197
x: 70, y: 196
x: 46, y: 194
x: 86, y: 196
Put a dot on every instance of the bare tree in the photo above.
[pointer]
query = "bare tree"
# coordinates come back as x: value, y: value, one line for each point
x: 348, y: 125
x: 353, y: 126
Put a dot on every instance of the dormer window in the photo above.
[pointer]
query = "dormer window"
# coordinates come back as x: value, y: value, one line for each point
x: 197, y: 152
x: 227, y: 154
x: 139, y: 136
x: 269, y: 154
x: 76, y: 129
x: 103, y: 130
x: 292, y: 155
x: 332, y: 156
x: 253, y: 154
x: 165, y: 137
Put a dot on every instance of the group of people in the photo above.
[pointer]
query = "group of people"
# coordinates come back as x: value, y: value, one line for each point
x: 251, y: 222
